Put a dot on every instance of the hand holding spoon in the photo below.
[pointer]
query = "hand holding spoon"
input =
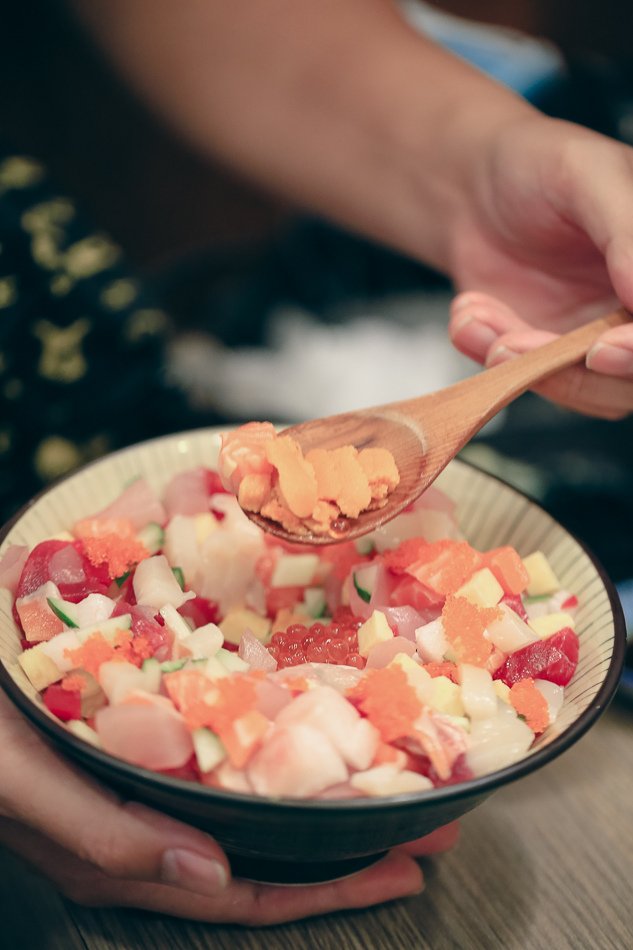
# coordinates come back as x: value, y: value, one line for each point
x: 424, y: 434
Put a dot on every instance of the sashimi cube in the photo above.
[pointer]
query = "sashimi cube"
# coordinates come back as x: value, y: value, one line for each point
x: 387, y: 779
x: 554, y: 696
x: 323, y: 708
x: 508, y: 568
x: 478, y: 693
x: 38, y: 620
x: 155, y: 585
x: 554, y: 659
x: 296, y: 761
x: 509, y: 632
x: 151, y: 736
x: 497, y: 741
x: 432, y: 642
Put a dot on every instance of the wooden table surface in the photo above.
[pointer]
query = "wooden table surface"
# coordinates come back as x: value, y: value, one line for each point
x: 545, y: 863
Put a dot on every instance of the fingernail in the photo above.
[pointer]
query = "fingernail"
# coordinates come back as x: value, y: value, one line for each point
x: 473, y: 336
x: 500, y: 354
x: 611, y: 360
x: 193, y: 872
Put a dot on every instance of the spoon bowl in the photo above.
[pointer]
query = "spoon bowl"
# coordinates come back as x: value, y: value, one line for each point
x: 425, y: 433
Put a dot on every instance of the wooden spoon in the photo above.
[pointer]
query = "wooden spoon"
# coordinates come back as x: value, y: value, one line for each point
x: 424, y: 434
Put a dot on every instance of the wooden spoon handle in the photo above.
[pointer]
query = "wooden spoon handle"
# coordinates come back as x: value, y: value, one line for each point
x: 560, y: 353
x: 466, y: 406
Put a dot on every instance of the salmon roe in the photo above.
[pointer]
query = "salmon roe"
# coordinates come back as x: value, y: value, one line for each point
x: 334, y: 642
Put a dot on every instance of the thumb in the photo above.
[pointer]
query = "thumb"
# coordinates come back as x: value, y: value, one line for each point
x: 124, y: 839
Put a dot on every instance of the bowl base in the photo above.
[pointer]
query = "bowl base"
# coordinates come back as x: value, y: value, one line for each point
x: 288, y: 873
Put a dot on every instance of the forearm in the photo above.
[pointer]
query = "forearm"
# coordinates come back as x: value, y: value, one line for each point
x: 336, y: 105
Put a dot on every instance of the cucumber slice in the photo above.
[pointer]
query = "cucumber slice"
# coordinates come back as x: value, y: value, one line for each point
x: 208, y: 748
x: 179, y: 575
x: 63, y: 610
x: 365, y: 545
x: 231, y: 661
x: 314, y: 602
x: 170, y: 666
x: 362, y: 593
x: 152, y: 536
x: 107, y: 628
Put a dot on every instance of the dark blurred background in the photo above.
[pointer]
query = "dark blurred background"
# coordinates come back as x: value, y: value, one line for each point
x: 225, y: 261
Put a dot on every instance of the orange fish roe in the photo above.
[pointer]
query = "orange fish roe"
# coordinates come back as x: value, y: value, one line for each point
x: 408, y: 552
x: 388, y: 700
x: 97, y: 650
x: 530, y: 703
x: 226, y: 706
x: 465, y: 623
x: 74, y: 682
x: 242, y: 736
x: 211, y: 703
x: 446, y: 668
x: 111, y: 541
x: 446, y: 565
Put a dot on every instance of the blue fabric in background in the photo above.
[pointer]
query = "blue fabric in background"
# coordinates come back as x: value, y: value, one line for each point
x: 527, y: 65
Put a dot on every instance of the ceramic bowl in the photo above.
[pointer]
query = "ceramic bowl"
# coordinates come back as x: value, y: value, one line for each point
x: 303, y: 841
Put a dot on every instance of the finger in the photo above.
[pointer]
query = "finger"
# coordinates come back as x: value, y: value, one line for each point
x: 478, y: 320
x: 488, y: 331
x: 256, y: 905
x: 242, y: 902
x: 576, y: 388
x: 442, y: 839
x: 613, y: 353
x: 124, y: 840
